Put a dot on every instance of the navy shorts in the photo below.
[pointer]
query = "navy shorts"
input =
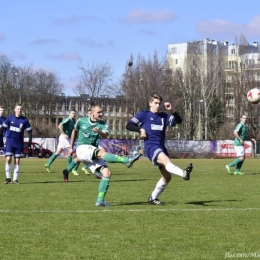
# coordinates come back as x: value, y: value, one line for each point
x: 14, y: 151
x: 154, y: 151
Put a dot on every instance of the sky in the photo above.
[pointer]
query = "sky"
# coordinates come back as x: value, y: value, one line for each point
x: 55, y: 35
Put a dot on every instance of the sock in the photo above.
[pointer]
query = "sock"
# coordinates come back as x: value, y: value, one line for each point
x: 72, y: 165
x: 102, y: 189
x: 173, y: 169
x: 69, y: 159
x: 239, y: 166
x: 235, y: 162
x: 159, y: 188
x: 76, y: 167
x: 16, y: 172
x: 112, y: 158
x: 8, y: 170
x: 85, y: 166
x: 52, y: 158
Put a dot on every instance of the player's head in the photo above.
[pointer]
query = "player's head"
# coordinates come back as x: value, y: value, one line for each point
x: 18, y: 110
x: 72, y: 114
x: 154, y: 102
x: 243, y: 119
x: 2, y: 110
x: 96, y: 111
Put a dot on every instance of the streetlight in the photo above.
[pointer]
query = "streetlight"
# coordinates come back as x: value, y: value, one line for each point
x: 130, y: 63
x: 199, y: 101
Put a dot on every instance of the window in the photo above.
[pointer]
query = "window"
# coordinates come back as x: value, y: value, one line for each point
x: 229, y: 78
x: 174, y: 50
x: 105, y: 106
x: 176, y: 61
x: 117, y: 125
x: 80, y: 105
x: 73, y: 104
x: 110, y: 125
x: 233, y: 51
x: 60, y: 105
x: 67, y: 104
x: 117, y: 106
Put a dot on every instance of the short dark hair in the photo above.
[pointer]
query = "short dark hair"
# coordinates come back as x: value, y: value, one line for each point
x: 94, y: 104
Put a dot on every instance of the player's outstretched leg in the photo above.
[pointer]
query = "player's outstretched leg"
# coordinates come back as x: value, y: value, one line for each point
x: 66, y: 175
x: 85, y: 169
x: 187, y: 171
x: 128, y: 161
x: 132, y: 159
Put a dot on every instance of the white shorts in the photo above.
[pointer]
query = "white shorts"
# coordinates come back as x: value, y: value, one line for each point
x: 63, y: 142
x: 85, y: 153
x: 240, y: 150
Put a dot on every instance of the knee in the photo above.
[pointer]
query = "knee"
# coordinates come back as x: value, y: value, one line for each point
x: 168, y: 178
x: 101, y: 153
x: 106, y: 172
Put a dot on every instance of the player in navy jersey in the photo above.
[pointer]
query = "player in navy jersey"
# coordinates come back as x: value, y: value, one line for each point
x: 15, y: 124
x: 152, y: 125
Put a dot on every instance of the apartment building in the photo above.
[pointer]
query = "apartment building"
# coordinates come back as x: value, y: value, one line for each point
x: 242, y: 63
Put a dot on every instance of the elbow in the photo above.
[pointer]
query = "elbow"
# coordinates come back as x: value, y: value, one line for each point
x: 127, y: 126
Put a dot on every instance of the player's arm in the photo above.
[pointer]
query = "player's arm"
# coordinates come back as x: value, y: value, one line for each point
x: 73, y: 138
x: 133, y: 127
x: 74, y: 135
x: 1, y: 132
x: 177, y: 117
x: 60, y: 126
x: 30, y: 138
x: 238, y: 137
x: 103, y: 134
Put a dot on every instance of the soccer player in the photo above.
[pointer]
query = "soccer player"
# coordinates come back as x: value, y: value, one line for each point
x: 15, y: 124
x: 85, y: 167
x: 90, y: 130
x: 240, y: 133
x: 65, y: 127
x: 152, y: 125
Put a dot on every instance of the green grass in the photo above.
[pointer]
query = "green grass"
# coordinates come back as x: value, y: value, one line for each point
x: 212, y: 214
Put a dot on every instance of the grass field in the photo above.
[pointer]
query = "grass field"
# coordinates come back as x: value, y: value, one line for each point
x: 213, y: 216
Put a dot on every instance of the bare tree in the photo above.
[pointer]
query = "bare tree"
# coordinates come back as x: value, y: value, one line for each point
x: 96, y: 80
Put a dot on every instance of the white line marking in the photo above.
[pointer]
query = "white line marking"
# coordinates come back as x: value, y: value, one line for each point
x: 122, y: 210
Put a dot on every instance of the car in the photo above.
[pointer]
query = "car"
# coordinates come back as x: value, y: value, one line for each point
x: 36, y: 151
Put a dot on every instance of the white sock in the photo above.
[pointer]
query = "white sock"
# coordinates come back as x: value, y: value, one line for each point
x: 8, y: 170
x: 173, y: 169
x: 16, y: 172
x: 159, y: 188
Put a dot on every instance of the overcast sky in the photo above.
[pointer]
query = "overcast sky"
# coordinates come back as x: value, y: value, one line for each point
x: 54, y: 34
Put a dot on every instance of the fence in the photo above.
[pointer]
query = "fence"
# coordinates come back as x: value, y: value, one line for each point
x: 176, y: 148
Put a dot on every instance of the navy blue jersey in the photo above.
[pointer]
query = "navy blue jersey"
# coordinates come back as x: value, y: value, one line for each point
x: 154, y: 125
x: 2, y: 119
x: 16, y: 127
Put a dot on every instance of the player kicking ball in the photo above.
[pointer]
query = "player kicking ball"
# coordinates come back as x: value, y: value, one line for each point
x: 152, y: 125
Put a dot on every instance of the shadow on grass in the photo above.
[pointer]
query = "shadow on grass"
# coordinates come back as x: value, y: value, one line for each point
x: 133, y: 203
x: 205, y: 202
x: 130, y: 180
x: 49, y: 182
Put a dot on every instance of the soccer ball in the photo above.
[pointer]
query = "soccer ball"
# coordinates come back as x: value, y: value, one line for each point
x: 253, y: 96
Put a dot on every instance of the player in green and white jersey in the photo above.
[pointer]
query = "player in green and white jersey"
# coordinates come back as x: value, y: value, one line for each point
x: 90, y: 130
x: 240, y: 133
x: 66, y: 127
